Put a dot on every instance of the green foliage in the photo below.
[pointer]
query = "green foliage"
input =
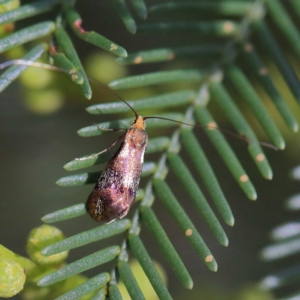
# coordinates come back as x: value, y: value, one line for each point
x: 15, y: 269
x: 226, y: 58
x: 285, y: 243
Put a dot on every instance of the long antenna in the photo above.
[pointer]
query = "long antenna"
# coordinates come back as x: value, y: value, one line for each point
x: 115, y: 94
x: 268, y: 145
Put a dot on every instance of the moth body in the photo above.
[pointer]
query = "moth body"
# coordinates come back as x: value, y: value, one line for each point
x: 116, y: 188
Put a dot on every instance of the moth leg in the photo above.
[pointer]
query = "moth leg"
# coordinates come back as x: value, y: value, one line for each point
x: 111, y: 221
x: 105, y: 150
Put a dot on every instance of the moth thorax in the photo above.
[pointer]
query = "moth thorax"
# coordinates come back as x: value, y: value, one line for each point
x: 137, y: 136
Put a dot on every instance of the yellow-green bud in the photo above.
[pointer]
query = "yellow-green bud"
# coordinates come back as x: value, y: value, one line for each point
x: 12, y: 278
x: 41, y: 237
x: 26, y: 263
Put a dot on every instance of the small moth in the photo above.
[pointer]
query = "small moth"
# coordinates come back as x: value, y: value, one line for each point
x: 116, y: 188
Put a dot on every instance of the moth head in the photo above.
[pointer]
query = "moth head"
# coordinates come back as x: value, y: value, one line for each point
x: 138, y: 123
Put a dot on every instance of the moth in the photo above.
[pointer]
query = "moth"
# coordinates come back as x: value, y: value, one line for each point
x: 116, y: 188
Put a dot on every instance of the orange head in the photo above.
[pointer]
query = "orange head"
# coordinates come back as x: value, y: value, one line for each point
x: 139, y: 123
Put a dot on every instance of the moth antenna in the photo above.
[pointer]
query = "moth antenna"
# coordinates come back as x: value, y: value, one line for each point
x: 115, y: 94
x: 265, y: 144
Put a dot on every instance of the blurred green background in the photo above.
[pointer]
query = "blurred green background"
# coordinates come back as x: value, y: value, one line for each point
x: 38, y: 124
